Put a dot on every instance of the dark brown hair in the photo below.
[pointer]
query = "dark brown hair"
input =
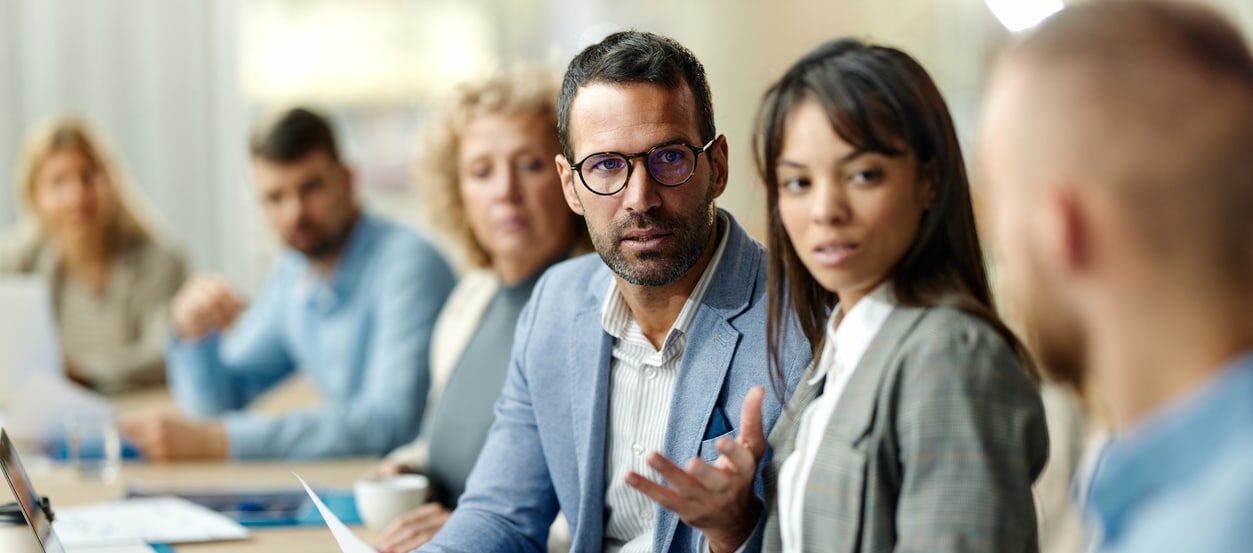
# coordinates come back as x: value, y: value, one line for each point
x: 293, y: 135
x: 635, y: 57
x: 877, y: 99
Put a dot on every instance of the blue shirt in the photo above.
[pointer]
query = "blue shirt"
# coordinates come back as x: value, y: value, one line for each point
x: 361, y: 335
x: 1181, y: 480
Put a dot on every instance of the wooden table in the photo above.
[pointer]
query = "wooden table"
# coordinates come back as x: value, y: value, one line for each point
x: 64, y: 487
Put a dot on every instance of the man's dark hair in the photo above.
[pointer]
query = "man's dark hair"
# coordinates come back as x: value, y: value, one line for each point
x: 635, y: 57
x: 293, y: 135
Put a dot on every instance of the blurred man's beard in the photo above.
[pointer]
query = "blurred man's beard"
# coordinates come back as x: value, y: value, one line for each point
x: 1050, y: 332
x: 322, y: 245
x: 1060, y: 350
x: 690, y: 234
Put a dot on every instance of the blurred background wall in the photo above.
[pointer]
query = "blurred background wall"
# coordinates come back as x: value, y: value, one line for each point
x: 176, y: 84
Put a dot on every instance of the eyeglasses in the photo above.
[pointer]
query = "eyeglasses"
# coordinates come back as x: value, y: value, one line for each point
x: 670, y: 164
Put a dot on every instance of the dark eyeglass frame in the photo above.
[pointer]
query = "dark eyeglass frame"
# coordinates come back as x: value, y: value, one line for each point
x: 696, y: 152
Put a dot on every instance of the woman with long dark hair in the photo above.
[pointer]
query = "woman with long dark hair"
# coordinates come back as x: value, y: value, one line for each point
x: 920, y: 425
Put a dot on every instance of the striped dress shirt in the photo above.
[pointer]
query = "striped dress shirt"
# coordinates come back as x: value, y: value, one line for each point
x: 640, y: 391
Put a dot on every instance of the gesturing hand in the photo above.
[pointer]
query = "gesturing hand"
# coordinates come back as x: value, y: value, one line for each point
x: 203, y: 305
x: 164, y: 437
x: 716, y: 499
x: 413, y: 529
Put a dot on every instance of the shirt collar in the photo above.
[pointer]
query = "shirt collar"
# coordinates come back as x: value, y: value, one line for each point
x: 616, y: 315
x: 327, y: 291
x: 849, y: 335
x: 1169, y: 447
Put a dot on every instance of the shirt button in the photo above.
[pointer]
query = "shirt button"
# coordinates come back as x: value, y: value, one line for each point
x: 650, y: 373
x: 646, y: 513
x: 637, y: 448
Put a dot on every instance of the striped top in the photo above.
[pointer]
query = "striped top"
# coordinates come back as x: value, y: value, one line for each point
x: 113, y: 337
x: 641, y: 386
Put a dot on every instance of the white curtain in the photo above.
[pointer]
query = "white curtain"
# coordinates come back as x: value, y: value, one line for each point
x: 157, y: 78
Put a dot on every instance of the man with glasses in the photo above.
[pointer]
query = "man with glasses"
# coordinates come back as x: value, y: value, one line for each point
x: 627, y: 364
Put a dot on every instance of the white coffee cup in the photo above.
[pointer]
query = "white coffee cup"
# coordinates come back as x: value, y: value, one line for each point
x: 381, y: 500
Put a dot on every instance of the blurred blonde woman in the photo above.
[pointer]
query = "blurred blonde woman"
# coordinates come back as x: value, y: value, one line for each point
x: 491, y: 188
x: 110, y: 276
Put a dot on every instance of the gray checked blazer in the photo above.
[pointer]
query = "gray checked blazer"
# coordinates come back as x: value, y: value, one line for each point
x: 932, y: 448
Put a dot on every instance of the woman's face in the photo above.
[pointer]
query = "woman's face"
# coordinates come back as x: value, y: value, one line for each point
x: 511, y: 193
x: 72, y: 195
x: 851, y: 215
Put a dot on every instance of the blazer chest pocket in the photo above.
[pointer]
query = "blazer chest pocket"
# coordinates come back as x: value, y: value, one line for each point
x: 835, y: 498
x: 709, y: 448
x: 719, y: 427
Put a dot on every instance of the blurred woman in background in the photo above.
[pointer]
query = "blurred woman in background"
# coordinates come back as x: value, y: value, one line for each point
x: 110, y: 276
x: 486, y: 170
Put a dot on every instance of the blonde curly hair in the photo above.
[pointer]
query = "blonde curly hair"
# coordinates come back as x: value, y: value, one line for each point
x: 522, y: 90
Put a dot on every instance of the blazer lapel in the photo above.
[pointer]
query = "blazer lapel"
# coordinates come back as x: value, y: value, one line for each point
x: 589, y: 363
x: 840, y: 467
x: 711, y: 343
x: 782, y: 438
x: 856, y: 409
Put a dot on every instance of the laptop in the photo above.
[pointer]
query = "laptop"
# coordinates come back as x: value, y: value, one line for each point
x: 36, y: 512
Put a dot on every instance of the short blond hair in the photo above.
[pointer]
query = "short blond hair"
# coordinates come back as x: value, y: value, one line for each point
x: 527, y: 90
x: 129, y: 223
x: 1157, y: 97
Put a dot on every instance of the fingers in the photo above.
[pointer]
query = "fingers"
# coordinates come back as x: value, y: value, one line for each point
x: 414, y: 528
x: 751, y: 434
x: 150, y: 435
x: 664, y: 496
x: 203, y: 305
x: 386, y: 469
x: 167, y: 437
x: 740, y: 460
x: 392, y: 539
x: 711, y: 478
x: 686, y: 484
x: 218, y: 303
x: 417, y: 540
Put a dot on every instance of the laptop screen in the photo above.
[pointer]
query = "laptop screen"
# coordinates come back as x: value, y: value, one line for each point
x: 26, y: 496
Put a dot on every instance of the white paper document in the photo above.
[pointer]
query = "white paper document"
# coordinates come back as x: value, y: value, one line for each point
x: 348, y: 541
x: 133, y: 548
x: 46, y: 402
x: 151, y: 520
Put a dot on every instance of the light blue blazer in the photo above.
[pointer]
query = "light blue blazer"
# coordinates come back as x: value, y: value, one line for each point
x: 546, y: 450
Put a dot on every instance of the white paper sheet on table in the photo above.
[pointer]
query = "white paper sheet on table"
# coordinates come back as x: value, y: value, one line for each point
x: 348, y: 541
x: 152, y: 520
x: 132, y: 548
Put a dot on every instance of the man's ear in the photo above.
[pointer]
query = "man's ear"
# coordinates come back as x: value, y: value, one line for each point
x: 568, y: 184
x: 721, y: 167
x: 1071, y: 224
x: 349, y: 176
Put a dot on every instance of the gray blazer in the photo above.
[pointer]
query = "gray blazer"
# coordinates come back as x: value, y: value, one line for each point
x: 932, y: 448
